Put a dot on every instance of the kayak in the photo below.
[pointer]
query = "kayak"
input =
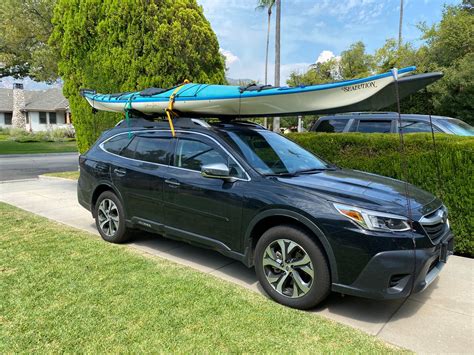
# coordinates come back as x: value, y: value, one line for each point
x: 206, y: 100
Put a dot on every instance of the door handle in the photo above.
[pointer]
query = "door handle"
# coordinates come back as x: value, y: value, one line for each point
x: 120, y: 172
x: 173, y: 182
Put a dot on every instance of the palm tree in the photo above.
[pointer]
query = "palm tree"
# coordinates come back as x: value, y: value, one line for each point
x: 266, y: 4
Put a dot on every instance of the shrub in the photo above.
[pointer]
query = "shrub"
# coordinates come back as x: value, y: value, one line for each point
x: 380, y: 154
x: 56, y: 135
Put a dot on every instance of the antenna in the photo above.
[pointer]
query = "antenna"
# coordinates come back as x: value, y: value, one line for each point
x: 404, y: 167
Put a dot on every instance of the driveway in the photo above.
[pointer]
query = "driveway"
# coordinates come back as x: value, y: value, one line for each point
x: 439, y: 320
x: 27, y: 166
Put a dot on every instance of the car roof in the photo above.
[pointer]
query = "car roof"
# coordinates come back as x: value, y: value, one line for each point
x: 381, y: 115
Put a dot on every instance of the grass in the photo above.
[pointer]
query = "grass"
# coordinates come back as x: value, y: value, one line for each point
x: 72, y: 175
x: 11, y: 147
x: 62, y: 290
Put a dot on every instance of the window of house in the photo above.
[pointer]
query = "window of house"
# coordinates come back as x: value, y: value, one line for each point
x: 27, y: 117
x: 42, y: 118
x: 8, y: 118
x: 52, y: 118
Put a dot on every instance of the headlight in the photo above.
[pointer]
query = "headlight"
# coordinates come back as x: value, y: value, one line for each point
x: 373, y: 220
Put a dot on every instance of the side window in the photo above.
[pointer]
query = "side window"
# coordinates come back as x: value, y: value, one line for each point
x: 117, y: 143
x: 193, y: 155
x: 372, y: 126
x: 153, y: 149
x: 417, y: 127
x: 332, y: 126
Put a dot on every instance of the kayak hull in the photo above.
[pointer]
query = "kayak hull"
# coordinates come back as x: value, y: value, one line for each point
x: 220, y: 100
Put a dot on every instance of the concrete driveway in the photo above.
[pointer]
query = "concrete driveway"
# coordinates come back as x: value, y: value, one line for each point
x: 439, y: 320
x: 27, y: 166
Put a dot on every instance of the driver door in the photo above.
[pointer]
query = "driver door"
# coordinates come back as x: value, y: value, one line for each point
x: 206, y: 210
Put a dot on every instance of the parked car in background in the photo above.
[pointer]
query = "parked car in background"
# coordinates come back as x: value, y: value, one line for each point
x: 307, y: 226
x: 387, y: 122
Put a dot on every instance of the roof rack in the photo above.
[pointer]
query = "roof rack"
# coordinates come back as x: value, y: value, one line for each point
x: 364, y: 113
x: 181, y: 122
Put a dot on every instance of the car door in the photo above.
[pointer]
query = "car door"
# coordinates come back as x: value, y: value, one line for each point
x: 205, y: 210
x: 140, y: 175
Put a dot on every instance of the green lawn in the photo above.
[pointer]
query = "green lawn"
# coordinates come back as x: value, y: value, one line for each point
x: 11, y: 147
x: 72, y: 175
x: 63, y: 290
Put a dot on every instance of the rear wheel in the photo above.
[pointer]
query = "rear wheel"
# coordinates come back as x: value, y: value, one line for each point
x: 291, y: 267
x: 110, y: 218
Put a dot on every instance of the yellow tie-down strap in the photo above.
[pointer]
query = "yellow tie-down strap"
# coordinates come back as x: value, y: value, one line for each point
x: 169, y: 109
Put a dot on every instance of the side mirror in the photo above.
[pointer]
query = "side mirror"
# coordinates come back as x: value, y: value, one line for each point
x: 216, y: 171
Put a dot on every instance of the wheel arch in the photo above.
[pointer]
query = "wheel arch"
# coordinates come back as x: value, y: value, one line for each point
x: 275, y: 217
x: 99, y: 189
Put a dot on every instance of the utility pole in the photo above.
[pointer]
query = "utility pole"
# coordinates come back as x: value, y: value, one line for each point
x: 276, y: 120
x: 400, y: 26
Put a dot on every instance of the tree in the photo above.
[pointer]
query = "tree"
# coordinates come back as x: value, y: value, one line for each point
x: 127, y: 45
x: 449, y: 48
x: 355, y: 63
x: 318, y: 73
x: 25, y: 27
x: 276, y: 120
x: 267, y: 4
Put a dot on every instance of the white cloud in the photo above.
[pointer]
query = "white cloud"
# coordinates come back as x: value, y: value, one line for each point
x: 230, y: 58
x: 324, y: 56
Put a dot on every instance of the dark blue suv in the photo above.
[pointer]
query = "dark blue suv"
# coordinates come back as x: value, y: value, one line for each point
x: 307, y: 226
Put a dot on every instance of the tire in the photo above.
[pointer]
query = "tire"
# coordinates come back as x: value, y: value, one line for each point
x: 110, y: 218
x: 302, y: 279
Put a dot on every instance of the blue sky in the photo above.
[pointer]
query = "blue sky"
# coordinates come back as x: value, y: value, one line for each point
x: 310, y: 28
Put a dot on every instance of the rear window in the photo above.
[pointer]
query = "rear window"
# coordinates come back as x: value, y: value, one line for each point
x: 372, y: 126
x: 417, y: 127
x: 116, y: 144
x: 331, y: 126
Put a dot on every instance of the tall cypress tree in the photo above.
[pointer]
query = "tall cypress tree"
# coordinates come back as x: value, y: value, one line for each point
x: 128, y: 45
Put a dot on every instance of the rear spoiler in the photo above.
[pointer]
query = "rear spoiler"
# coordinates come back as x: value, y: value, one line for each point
x: 85, y: 92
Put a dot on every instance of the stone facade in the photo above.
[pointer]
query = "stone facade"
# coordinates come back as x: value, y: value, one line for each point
x: 18, y: 114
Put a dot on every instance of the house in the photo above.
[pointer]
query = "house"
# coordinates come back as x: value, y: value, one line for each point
x: 33, y: 110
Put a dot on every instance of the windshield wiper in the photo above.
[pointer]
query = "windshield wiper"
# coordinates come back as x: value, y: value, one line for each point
x: 314, y: 170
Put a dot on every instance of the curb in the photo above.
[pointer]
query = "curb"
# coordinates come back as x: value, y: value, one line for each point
x: 45, y: 177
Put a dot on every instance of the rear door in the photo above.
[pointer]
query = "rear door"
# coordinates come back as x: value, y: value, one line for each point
x: 140, y: 177
x: 205, y: 210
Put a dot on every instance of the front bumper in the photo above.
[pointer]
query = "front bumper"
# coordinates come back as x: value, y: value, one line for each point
x: 399, y: 273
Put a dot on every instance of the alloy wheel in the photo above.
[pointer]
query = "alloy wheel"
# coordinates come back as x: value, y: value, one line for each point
x: 108, y: 216
x: 288, y: 268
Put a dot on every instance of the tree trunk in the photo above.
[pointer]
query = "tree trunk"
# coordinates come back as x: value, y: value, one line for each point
x: 400, y: 26
x: 268, y: 43
x: 276, y: 120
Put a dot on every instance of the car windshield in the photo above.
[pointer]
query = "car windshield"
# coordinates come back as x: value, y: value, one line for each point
x: 456, y: 126
x: 272, y: 154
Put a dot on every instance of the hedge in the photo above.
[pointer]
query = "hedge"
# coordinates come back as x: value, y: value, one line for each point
x: 380, y: 154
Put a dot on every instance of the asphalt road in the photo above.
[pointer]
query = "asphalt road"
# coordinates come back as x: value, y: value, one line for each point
x: 28, y: 166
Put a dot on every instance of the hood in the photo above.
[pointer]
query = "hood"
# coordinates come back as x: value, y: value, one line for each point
x: 366, y: 190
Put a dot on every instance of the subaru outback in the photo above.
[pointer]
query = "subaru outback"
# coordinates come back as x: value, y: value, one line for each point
x: 307, y: 226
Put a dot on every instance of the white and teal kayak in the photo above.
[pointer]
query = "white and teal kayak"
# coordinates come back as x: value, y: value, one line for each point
x: 207, y: 100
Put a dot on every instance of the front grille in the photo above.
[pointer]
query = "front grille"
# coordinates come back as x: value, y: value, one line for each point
x: 435, y: 224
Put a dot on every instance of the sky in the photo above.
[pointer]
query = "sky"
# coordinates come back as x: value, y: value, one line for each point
x: 311, y: 30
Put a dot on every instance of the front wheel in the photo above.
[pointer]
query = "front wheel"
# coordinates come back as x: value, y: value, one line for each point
x: 291, y: 267
x: 110, y: 218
